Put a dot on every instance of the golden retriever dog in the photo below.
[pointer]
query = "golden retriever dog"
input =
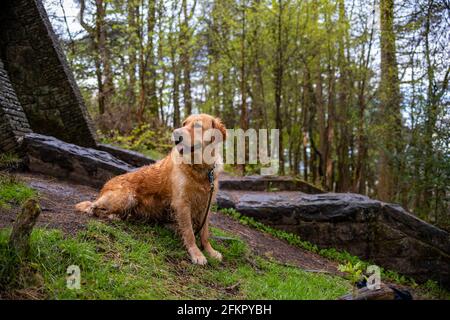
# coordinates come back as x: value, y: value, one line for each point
x: 171, y: 190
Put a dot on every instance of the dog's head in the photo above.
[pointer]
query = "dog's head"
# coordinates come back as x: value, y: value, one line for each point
x: 197, y: 132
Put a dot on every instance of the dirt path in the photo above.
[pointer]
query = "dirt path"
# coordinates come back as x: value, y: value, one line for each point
x: 269, y: 246
x: 57, y: 200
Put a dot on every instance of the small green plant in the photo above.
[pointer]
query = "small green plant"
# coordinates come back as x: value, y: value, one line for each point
x: 355, y: 274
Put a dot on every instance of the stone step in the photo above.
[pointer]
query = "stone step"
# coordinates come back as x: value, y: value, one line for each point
x: 266, y: 183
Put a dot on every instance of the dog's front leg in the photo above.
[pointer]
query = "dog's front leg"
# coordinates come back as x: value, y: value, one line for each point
x: 183, y: 217
x: 204, y: 239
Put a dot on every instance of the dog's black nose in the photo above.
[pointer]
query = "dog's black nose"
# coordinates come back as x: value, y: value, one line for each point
x: 177, y: 137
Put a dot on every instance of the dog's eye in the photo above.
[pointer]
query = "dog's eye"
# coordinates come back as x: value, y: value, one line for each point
x: 183, y: 124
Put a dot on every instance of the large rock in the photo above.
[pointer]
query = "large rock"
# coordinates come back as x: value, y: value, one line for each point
x: 134, y: 158
x: 54, y: 157
x: 383, y: 233
x: 266, y: 183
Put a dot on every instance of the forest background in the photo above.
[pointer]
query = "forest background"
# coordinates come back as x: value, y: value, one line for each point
x: 358, y: 88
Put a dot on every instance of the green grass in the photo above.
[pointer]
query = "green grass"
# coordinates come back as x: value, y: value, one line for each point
x: 14, y: 192
x: 9, y: 160
x: 128, y: 261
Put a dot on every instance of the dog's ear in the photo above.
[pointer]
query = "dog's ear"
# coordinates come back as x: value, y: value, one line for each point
x: 217, y: 124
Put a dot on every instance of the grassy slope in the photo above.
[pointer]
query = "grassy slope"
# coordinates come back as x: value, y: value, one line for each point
x: 127, y: 261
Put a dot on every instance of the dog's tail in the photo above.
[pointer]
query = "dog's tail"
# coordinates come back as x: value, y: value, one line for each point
x: 84, y: 207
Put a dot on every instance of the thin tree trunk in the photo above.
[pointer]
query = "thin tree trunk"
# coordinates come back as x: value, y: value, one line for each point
x: 243, y: 120
x: 389, y: 104
x: 185, y: 39
x: 344, y: 182
x: 361, y: 160
x: 150, y: 63
x: 132, y: 61
x: 142, y: 101
x: 278, y: 75
x: 101, y: 35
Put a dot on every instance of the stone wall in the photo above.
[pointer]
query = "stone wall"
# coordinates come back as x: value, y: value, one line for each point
x: 13, y: 122
x: 38, y: 71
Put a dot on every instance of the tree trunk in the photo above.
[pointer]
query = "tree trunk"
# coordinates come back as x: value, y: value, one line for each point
x: 359, y: 185
x: 278, y: 76
x: 389, y: 104
x: 344, y: 182
x: 101, y: 53
x: 101, y: 37
x: 243, y: 120
x: 142, y: 101
x: 132, y: 61
x: 150, y: 63
x: 186, y: 59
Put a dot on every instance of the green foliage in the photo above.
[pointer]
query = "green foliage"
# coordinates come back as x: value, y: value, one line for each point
x: 128, y: 261
x: 9, y: 161
x: 151, y: 141
x: 305, y: 67
x: 354, y: 270
x: 432, y: 289
x: 14, y: 192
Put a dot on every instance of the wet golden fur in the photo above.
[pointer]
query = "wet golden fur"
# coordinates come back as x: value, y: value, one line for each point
x: 167, y: 191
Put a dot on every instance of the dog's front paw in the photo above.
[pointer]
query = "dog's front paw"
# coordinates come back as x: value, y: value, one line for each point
x: 215, y: 254
x: 197, y: 257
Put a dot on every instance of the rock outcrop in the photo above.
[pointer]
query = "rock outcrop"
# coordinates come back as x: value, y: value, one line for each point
x: 383, y: 233
x: 266, y: 183
x: 54, y: 157
x: 133, y: 158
